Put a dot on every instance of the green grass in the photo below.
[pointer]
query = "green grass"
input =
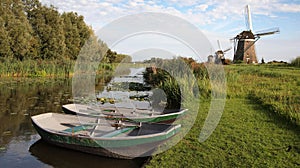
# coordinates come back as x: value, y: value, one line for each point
x: 247, y: 136
x: 274, y: 87
x: 259, y: 126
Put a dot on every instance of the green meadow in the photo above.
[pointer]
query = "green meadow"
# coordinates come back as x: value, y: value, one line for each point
x: 260, y: 124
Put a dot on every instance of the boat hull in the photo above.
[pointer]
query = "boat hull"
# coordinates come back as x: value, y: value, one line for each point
x: 123, y: 149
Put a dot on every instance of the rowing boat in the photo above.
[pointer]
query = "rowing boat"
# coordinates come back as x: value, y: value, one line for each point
x: 124, y: 113
x: 91, y: 135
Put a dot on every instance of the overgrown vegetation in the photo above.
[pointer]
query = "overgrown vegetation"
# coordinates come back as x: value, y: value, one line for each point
x: 175, y: 77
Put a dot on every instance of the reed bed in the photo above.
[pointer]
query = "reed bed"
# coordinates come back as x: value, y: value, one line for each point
x: 48, y: 68
x: 36, y: 68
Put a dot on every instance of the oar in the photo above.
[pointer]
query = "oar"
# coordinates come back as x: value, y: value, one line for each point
x: 120, y: 124
x: 122, y: 110
x: 95, y: 127
x: 100, y: 114
x: 113, y: 114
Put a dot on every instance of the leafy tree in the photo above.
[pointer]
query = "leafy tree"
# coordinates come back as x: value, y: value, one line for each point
x: 29, y: 30
x: 29, y: 5
x: 5, y: 51
x: 111, y: 56
x: 76, y: 33
x: 71, y: 35
x: 19, y: 31
x: 48, y: 26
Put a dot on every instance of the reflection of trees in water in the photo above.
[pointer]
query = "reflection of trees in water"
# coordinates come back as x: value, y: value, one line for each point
x: 24, y: 97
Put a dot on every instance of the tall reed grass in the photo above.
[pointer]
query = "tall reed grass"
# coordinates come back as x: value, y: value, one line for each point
x: 48, y: 68
x: 36, y: 68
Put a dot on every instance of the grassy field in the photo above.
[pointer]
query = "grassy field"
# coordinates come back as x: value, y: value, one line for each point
x: 259, y: 126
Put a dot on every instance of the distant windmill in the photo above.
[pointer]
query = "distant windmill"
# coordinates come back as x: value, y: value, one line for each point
x: 244, y: 48
x: 220, y: 54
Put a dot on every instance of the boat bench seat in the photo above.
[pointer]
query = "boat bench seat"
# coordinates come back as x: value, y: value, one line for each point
x: 117, y: 132
x: 76, y: 128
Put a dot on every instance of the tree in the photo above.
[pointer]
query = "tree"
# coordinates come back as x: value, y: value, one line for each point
x: 29, y: 30
x: 71, y: 35
x: 19, y: 31
x: 5, y: 51
x: 262, y: 61
x: 48, y: 26
x: 111, y: 56
x: 76, y: 33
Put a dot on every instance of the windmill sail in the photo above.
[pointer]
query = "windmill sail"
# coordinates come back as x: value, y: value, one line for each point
x: 267, y: 32
x: 219, y: 45
x: 248, y: 18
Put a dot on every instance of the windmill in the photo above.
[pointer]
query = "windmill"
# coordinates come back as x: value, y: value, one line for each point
x: 220, y: 54
x: 244, y: 48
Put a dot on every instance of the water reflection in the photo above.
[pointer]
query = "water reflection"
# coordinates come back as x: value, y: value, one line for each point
x: 69, y: 158
x: 21, y: 98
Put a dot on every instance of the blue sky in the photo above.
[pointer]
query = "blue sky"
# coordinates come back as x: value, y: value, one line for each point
x: 218, y: 20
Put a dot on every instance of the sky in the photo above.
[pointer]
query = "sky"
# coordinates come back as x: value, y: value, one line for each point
x: 216, y: 19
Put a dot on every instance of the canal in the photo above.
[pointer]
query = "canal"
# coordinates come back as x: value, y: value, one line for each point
x: 21, y: 146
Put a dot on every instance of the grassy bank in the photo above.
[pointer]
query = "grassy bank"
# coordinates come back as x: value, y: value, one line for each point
x: 273, y: 86
x: 259, y: 126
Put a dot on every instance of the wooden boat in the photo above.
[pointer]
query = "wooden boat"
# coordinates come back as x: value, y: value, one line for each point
x: 86, y: 134
x: 123, y: 113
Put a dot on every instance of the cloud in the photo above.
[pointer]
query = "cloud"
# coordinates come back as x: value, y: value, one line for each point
x: 219, y: 19
x: 202, y: 7
x: 199, y: 12
x: 293, y: 8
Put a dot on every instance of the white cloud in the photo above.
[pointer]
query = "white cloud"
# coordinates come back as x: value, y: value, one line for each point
x: 288, y: 7
x: 201, y: 7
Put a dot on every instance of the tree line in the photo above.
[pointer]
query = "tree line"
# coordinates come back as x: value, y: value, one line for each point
x: 32, y: 31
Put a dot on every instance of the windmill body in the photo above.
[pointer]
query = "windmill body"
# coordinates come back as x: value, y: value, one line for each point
x: 245, y: 49
x: 220, y: 54
x: 244, y: 43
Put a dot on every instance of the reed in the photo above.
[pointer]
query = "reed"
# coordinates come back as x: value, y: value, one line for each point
x: 48, y: 68
x: 36, y: 68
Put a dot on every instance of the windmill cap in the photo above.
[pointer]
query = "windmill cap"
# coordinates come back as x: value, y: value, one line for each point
x: 246, y: 35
